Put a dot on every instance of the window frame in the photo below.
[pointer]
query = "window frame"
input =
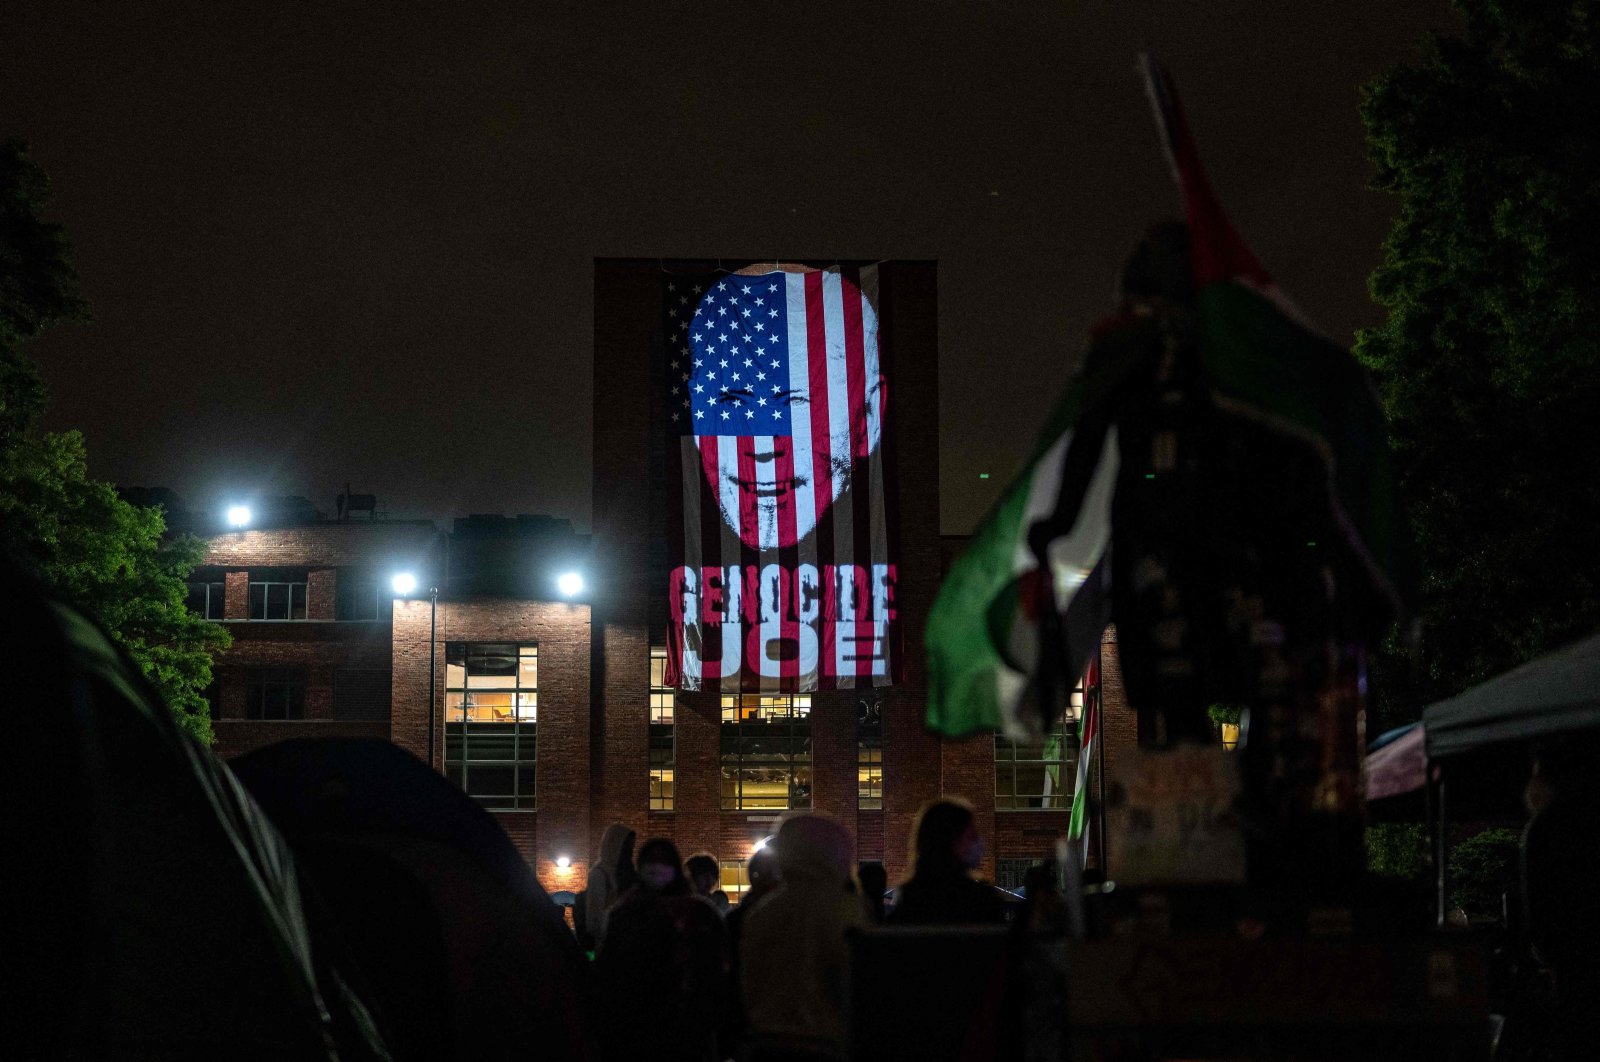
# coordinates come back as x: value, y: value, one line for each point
x: 266, y: 581
x: 258, y: 681
x: 750, y: 710
x: 1054, y: 794
x: 516, y: 717
x: 216, y: 596
x: 347, y: 587
x: 663, y: 707
x: 869, y: 754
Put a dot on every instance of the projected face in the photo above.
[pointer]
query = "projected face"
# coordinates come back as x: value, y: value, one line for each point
x: 786, y: 398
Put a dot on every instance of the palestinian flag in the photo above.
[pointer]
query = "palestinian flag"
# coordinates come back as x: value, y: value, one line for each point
x: 1088, y: 734
x: 1044, y: 545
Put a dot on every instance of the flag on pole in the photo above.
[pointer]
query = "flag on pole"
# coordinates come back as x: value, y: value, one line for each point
x: 1045, y: 544
x: 1088, y: 734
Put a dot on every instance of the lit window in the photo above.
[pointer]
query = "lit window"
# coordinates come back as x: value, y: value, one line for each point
x: 869, y: 754
x: 205, y: 599
x: 277, y: 595
x: 766, y: 751
x: 491, y: 722
x: 663, y: 752
x: 275, y: 693
x: 1039, y: 774
x: 733, y: 879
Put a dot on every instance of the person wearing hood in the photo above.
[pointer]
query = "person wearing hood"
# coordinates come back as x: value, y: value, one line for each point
x: 947, y: 848
x: 610, y: 877
x: 662, y: 975
x: 794, y: 955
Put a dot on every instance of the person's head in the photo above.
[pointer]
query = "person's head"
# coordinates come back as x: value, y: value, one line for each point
x: 945, y: 836
x: 660, y: 868
x: 813, y: 847
x: 762, y: 869
x: 776, y: 378
x: 703, y: 873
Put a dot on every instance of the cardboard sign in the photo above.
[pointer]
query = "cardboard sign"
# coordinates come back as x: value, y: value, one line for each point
x: 1170, y: 817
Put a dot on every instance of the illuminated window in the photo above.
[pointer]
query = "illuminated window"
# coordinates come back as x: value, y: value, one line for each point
x: 663, y: 752
x: 766, y: 751
x: 733, y: 879
x: 1039, y: 774
x: 869, y: 754
x: 205, y: 599
x: 275, y: 693
x: 491, y: 730
x: 277, y: 595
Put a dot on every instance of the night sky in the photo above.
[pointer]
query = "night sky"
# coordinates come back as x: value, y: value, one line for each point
x: 340, y: 241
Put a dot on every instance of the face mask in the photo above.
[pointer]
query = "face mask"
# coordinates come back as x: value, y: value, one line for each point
x: 655, y: 875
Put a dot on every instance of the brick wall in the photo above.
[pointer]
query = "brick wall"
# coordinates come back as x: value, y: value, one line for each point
x: 318, y: 645
x: 561, y: 826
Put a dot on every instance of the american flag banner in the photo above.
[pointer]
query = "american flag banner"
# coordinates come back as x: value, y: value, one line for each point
x: 775, y: 400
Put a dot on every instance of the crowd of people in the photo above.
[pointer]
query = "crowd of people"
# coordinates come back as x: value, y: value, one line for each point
x: 681, y: 974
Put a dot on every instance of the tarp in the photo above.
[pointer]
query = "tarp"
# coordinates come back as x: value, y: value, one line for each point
x: 1555, y: 695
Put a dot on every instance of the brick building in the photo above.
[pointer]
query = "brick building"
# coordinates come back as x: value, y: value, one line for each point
x: 550, y: 708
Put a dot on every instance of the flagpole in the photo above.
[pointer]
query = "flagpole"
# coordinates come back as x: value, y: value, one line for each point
x: 1100, y: 759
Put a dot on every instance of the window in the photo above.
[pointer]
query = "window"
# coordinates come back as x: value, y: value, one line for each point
x: 869, y: 753
x: 277, y: 595
x: 361, y: 693
x: 491, y: 722
x: 766, y: 751
x: 275, y: 693
x: 733, y: 880
x: 1039, y: 774
x: 357, y: 595
x: 1011, y: 873
x: 663, y: 751
x: 205, y: 599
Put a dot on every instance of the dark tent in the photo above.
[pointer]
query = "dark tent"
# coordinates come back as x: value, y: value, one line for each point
x: 149, y: 909
x: 460, y: 950
x: 1555, y: 695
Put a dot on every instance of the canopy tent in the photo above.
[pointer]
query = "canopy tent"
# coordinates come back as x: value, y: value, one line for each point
x: 1555, y: 695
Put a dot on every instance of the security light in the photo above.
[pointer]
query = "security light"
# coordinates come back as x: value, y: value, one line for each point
x: 570, y: 584
x: 404, y: 583
x: 238, y: 516
x: 563, y: 862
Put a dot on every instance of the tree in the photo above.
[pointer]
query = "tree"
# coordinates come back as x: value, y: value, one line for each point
x: 111, y: 559
x: 1489, y: 362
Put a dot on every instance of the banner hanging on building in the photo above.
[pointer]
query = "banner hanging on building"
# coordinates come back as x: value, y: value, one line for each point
x: 776, y: 399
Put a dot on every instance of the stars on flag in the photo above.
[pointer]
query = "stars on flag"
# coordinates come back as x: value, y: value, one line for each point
x: 730, y: 322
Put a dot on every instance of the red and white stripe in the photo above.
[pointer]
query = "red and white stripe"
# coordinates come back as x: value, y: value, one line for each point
x: 832, y: 316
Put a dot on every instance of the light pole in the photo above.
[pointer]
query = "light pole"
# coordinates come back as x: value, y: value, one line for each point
x: 405, y: 584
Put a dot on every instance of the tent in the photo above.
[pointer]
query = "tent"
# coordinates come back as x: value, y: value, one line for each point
x: 148, y: 908
x: 460, y: 951
x: 1557, y: 694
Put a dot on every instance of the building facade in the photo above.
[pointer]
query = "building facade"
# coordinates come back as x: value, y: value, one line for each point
x: 550, y: 707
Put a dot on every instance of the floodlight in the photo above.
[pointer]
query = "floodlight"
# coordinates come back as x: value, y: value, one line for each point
x: 570, y: 584
x: 404, y: 583
x: 239, y: 516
